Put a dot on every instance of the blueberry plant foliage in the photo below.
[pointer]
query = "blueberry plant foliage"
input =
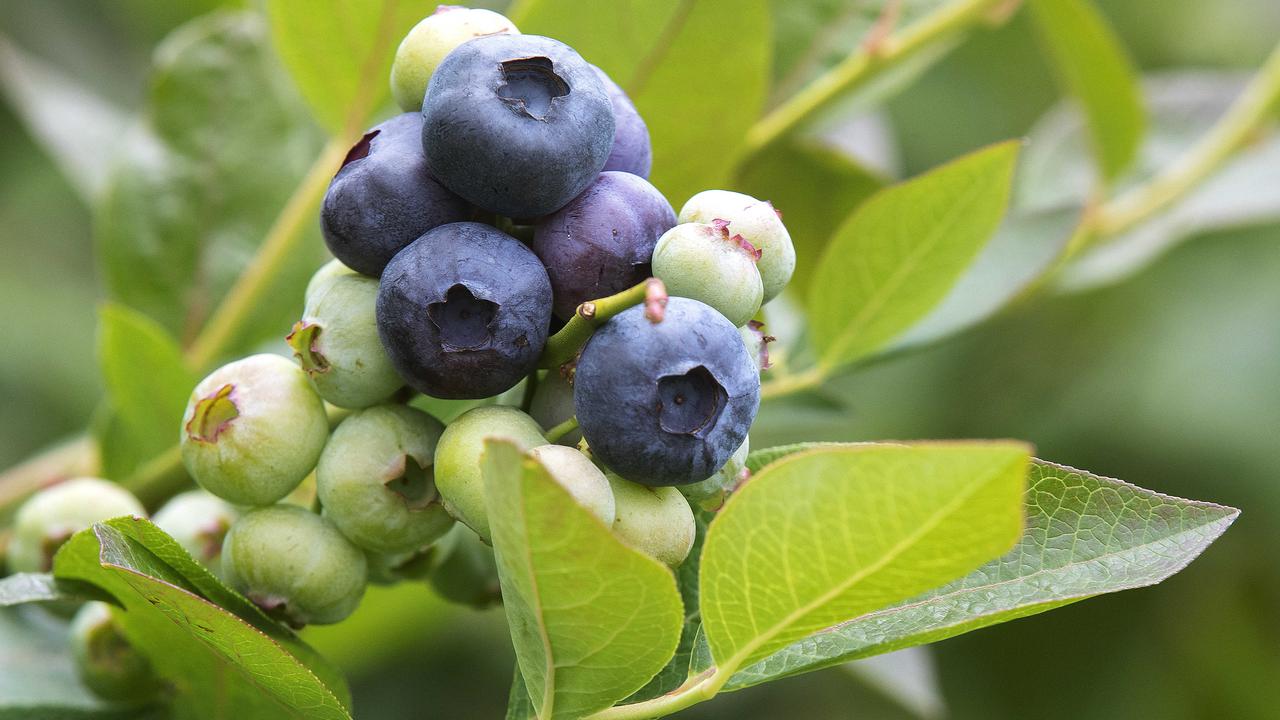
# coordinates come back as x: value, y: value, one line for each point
x: 822, y: 553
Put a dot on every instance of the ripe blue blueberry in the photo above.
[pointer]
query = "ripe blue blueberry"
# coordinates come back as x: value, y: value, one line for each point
x: 666, y: 403
x: 601, y: 242
x: 463, y: 312
x: 518, y: 125
x: 631, y: 150
x: 384, y: 197
x: 708, y: 262
x: 294, y: 564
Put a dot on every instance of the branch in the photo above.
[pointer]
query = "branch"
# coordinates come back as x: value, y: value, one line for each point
x: 564, y: 345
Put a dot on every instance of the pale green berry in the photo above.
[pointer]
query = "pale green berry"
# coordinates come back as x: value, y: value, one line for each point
x: 253, y: 430
x: 458, y: 458
x: 327, y: 273
x: 337, y: 344
x: 577, y: 474
x: 199, y: 521
x: 431, y: 40
x: 711, y: 493
x: 553, y: 404
x: 703, y: 261
x: 105, y: 659
x: 755, y: 220
x: 376, y: 480
x: 295, y: 565
x: 466, y: 572
x: 389, y: 569
x: 50, y: 517
x: 656, y: 521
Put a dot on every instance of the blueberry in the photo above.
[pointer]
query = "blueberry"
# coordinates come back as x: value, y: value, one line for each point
x: 199, y: 521
x: 518, y: 125
x: 666, y: 403
x: 577, y: 474
x: 337, y: 344
x: 431, y: 40
x: 253, y: 429
x: 467, y: 572
x: 463, y: 312
x: 706, y: 262
x: 295, y: 565
x: 601, y: 242
x: 324, y: 277
x: 553, y: 404
x: 459, y: 452
x: 656, y: 521
x: 711, y: 493
x: 376, y: 480
x: 384, y: 197
x: 48, y: 518
x: 755, y: 220
x: 631, y: 150
x: 389, y: 569
x: 105, y: 659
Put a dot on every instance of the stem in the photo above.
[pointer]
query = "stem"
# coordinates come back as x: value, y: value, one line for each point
x: 562, y: 346
x: 530, y: 389
x: 1236, y: 128
x: 860, y: 67
x: 564, y: 428
x: 699, y: 690
x: 278, y: 248
x: 77, y: 456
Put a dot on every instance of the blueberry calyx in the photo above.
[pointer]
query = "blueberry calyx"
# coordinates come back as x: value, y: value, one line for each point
x: 303, y: 340
x: 413, y: 482
x: 688, y: 404
x: 722, y: 227
x: 213, y: 415
x: 655, y: 300
x: 360, y: 150
x: 465, y: 321
x: 531, y: 86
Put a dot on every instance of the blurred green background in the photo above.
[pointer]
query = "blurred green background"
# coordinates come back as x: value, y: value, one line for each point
x: 1170, y: 380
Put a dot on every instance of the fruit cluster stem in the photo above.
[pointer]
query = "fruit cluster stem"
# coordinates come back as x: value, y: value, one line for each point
x: 565, y: 344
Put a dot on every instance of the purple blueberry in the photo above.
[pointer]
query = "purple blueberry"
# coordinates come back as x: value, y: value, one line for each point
x: 666, y: 403
x: 384, y: 197
x: 516, y: 124
x: 463, y: 311
x: 631, y: 149
x: 601, y: 242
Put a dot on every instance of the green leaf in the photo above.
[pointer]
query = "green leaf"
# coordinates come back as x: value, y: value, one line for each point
x: 1183, y: 106
x: 214, y: 646
x: 223, y: 143
x: 22, y: 588
x: 591, y: 619
x: 903, y: 250
x: 826, y: 535
x: 697, y: 72
x: 1096, y: 70
x: 519, y: 706
x: 786, y: 174
x: 1085, y: 535
x: 38, y: 677
x: 146, y: 379
x: 340, y: 51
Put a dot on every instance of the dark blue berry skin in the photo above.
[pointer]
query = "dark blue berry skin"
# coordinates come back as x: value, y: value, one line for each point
x: 463, y: 311
x: 384, y: 198
x: 601, y: 242
x: 631, y: 150
x: 666, y: 403
x: 519, y: 125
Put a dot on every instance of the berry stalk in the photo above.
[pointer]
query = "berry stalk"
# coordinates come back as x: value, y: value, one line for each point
x: 564, y: 345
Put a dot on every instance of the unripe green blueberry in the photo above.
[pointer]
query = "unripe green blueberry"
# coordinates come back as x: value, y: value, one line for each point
x: 105, y: 659
x: 398, y: 567
x: 48, y: 518
x: 553, y: 404
x: 577, y: 474
x: 327, y: 273
x: 757, y: 342
x: 466, y: 572
x: 711, y: 493
x: 431, y: 40
x: 459, y: 453
x: 703, y: 261
x: 295, y: 565
x: 376, y: 480
x: 253, y: 430
x: 337, y: 344
x: 656, y: 521
x: 757, y: 221
x: 199, y: 521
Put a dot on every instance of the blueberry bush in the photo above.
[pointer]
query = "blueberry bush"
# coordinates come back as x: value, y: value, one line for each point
x: 567, y: 271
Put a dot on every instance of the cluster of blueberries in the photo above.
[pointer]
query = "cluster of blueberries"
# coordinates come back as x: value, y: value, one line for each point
x: 509, y: 203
